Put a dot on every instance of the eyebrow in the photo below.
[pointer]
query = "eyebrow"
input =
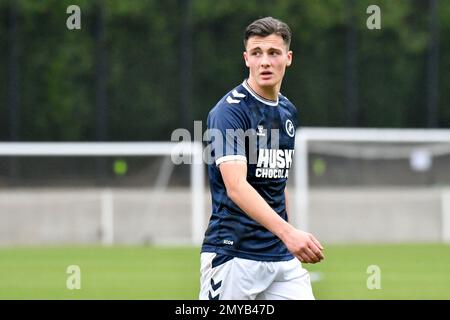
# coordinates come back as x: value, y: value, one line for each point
x: 271, y: 48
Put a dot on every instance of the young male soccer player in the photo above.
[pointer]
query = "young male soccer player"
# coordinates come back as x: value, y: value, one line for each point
x: 250, y: 251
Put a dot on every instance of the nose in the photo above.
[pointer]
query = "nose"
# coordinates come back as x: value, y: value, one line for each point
x: 265, y: 62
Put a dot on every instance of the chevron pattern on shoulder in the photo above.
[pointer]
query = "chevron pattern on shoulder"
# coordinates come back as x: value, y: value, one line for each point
x: 237, y: 94
x: 234, y: 94
x: 231, y: 100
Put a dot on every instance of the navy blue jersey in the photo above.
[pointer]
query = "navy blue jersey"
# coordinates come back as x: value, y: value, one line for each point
x: 245, y: 126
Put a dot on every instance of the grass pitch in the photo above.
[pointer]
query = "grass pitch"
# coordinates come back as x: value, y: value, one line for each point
x: 407, y: 272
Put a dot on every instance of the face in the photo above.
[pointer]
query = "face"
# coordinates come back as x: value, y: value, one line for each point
x: 267, y: 59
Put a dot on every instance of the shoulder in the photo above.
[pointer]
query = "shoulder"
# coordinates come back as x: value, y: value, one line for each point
x: 287, y: 104
x: 235, y: 99
x: 290, y: 109
x: 231, y: 106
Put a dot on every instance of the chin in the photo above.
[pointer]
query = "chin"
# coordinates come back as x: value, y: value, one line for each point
x: 267, y: 83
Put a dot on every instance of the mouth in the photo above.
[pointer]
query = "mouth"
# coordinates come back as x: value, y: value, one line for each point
x: 266, y: 74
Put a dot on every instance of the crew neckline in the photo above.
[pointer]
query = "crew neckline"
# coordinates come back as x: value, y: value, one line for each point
x: 258, y: 97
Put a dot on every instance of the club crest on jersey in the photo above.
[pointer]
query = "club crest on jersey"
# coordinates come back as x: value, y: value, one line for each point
x: 274, y: 163
x: 290, y: 130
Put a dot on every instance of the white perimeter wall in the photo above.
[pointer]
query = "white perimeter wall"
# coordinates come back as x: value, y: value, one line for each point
x: 73, y: 216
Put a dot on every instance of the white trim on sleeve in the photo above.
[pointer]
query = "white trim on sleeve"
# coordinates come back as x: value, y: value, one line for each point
x: 230, y: 158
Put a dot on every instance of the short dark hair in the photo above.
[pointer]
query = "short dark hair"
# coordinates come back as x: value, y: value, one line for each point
x: 265, y: 27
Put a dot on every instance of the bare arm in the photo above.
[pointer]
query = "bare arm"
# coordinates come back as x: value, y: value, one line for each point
x: 303, y: 245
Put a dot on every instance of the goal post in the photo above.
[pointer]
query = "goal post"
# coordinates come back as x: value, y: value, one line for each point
x: 82, y: 149
x: 334, y: 143
x: 336, y: 139
x: 446, y: 215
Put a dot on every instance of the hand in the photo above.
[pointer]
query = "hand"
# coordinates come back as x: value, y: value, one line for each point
x: 304, y: 246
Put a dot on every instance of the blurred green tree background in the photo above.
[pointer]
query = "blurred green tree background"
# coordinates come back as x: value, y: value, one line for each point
x: 139, y: 69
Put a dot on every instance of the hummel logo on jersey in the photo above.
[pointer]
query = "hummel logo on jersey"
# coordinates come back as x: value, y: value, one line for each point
x: 261, y: 131
x: 274, y: 163
x: 235, y: 94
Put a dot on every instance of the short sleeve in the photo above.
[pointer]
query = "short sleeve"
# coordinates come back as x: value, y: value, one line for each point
x: 226, y: 126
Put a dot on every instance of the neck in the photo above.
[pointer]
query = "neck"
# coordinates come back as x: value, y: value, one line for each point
x: 269, y: 93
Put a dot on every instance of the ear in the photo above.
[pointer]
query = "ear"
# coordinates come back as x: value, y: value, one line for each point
x: 246, y: 58
x: 289, y: 57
